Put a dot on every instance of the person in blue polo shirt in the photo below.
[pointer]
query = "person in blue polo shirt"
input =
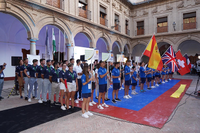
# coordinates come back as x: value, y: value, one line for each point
x: 170, y: 74
x: 134, y: 80
x: 47, y: 83
x: 163, y: 73
x: 153, y: 78
x: 167, y: 74
x: 55, y: 87
x: 149, y: 76
x: 40, y: 79
x: 157, y: 76
x: 86, y: 79
x: 26, y: 77
x: 2, y: 67
x: 72, y: 84
x: 142, y: 76
x: 32, y: 81
x: 19, y: 74
x: 127, y: 73
x: 116, y: 75
x: 102, y: 84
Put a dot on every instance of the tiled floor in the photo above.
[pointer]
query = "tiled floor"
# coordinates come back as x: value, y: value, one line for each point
x: 186, y: 119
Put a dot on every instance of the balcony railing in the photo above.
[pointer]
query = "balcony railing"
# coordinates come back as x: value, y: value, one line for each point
x: 128, y: 32
x: 139, y: 32
x: 85, y: 13
x: 103, y: 21
x: 56, y: 3
x: 187, y: 26
x: 118, y: 28
x: 162, y: 29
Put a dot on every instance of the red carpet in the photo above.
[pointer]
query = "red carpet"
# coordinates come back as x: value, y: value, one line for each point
x: 154, y: 114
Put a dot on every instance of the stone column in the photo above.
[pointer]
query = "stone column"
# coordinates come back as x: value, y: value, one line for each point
x: 70, y: 51
x: 129, y: 56
x: 33, y: 46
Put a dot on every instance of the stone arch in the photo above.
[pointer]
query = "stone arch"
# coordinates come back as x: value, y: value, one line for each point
x: 165, y: 40
x: 24, y: 18
x: 88, y: 33
x: 106, y: 38
x: 138, y: 42
x: 63, y: 26
x: 128, y: 47
x: 185, y: 39
x: 120, y: 44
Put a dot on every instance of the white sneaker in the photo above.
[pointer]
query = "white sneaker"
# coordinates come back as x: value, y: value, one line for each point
x: 94, y: 103
x: 105, y: 105
x: 40, y: 101
x: 100, y: 107
x: 129, y: 96
x: 135, y: 93
x: 153, y: 87
x: 70, y: 99
x: 85, y: 115
x: 157, y: 85
x: 163, y: 82
x: 66, y: 106
x: 76, y: 101
x: 126, y: 97
x: 170, y: 79
x: 89, y: 113
x: 166, y: 81
x: 81, y: 99
x: 90, y: 104
x: 36, y: 98
x: 63, y: 108
x: 29, y: 100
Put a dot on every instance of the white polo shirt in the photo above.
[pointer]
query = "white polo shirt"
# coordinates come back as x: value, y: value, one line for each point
x: 78, y: 69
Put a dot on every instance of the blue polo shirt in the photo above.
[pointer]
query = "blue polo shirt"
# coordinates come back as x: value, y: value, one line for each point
x: 40, y: 70
x: 170, y: 71
x: 167, y: 69
x: 26, y: 67
x: 1, y: 74
x: 32, y: 70
x: 62, y: 74
x: 127, y: 70
x: 148, y: 75
x: 163, y: 71
x: 157, y: 73
x: 70, y: 76
x: 18, y: 70
x: 154, y: 72
x: 142, y: 73
x: 116, y: 72
x: 47, y: 72
x: 85, y: 88
x: 135, y: 76
x: 102, y: 71
x: 55, y: 75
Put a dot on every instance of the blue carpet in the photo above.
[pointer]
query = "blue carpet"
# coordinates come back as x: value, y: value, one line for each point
x: 140, y: 100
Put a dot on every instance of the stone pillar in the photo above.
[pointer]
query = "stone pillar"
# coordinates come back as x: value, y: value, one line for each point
x: 129, y: 56
x: 70, y: 51
x: 33, y: 46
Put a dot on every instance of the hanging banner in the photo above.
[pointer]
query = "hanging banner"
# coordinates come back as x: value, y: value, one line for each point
x: 120, y: 58
x: 137, y: 59
x: 107, y: 57
x: 32, y: 57
x: 96, y: 55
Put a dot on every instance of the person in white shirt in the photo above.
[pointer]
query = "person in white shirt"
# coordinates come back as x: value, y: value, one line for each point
x: 97, y: 80
x: 92, y: 73
x: 66, y: 62
x: 79, y: 73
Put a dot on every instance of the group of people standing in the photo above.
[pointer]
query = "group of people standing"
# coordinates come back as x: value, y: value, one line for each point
x: 78, y: 82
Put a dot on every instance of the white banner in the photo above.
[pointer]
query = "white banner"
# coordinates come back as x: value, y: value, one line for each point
x: 96, y: 55
x: 107, y: 57
x: 137, y: 59
x: 120, y: 58
x: 32, y: 57
x: 89, y: 53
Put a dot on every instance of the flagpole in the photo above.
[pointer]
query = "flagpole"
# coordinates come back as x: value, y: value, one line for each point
x: 64, y: 45
x: 59, y: 47
x: 52, y: 44
x: 46, y: 44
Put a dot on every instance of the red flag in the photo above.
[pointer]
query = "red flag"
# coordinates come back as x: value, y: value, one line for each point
x: 182, y: 64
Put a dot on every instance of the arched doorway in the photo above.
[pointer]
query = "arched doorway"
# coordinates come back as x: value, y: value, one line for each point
x: 102, y: 46
x: 116, y: 50
x: 137, y: 52
x: 191, y: 47
x: 163, y: 46
x: 127, y: 52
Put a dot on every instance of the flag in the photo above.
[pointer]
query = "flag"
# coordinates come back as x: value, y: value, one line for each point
x: 153, y: 53
x: 183, y: 67
x: 53, y: 41
x: 47, y: 43
x: 188, y: 61
x: 169, y: 58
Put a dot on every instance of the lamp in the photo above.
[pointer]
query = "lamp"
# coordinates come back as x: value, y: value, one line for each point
x: 116, y: 22
x: 174, y: 26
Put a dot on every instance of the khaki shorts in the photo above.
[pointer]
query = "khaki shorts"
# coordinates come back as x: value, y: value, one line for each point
x: 20, y: 81
x: 62, y: 87
x: 71, y: 87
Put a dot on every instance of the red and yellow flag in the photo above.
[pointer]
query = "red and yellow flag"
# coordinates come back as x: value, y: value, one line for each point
x: 153, y: 53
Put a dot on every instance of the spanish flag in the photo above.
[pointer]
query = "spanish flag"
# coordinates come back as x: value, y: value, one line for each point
x: 153, y: 53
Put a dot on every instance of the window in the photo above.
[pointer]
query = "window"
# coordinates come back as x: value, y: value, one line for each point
x: 162, y: 25
x: 140, y: 28
x: 103, y: 15
x: 117, y: 26
x: 126, y: 27
x: 189, y: 20
x: 82, y: 4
